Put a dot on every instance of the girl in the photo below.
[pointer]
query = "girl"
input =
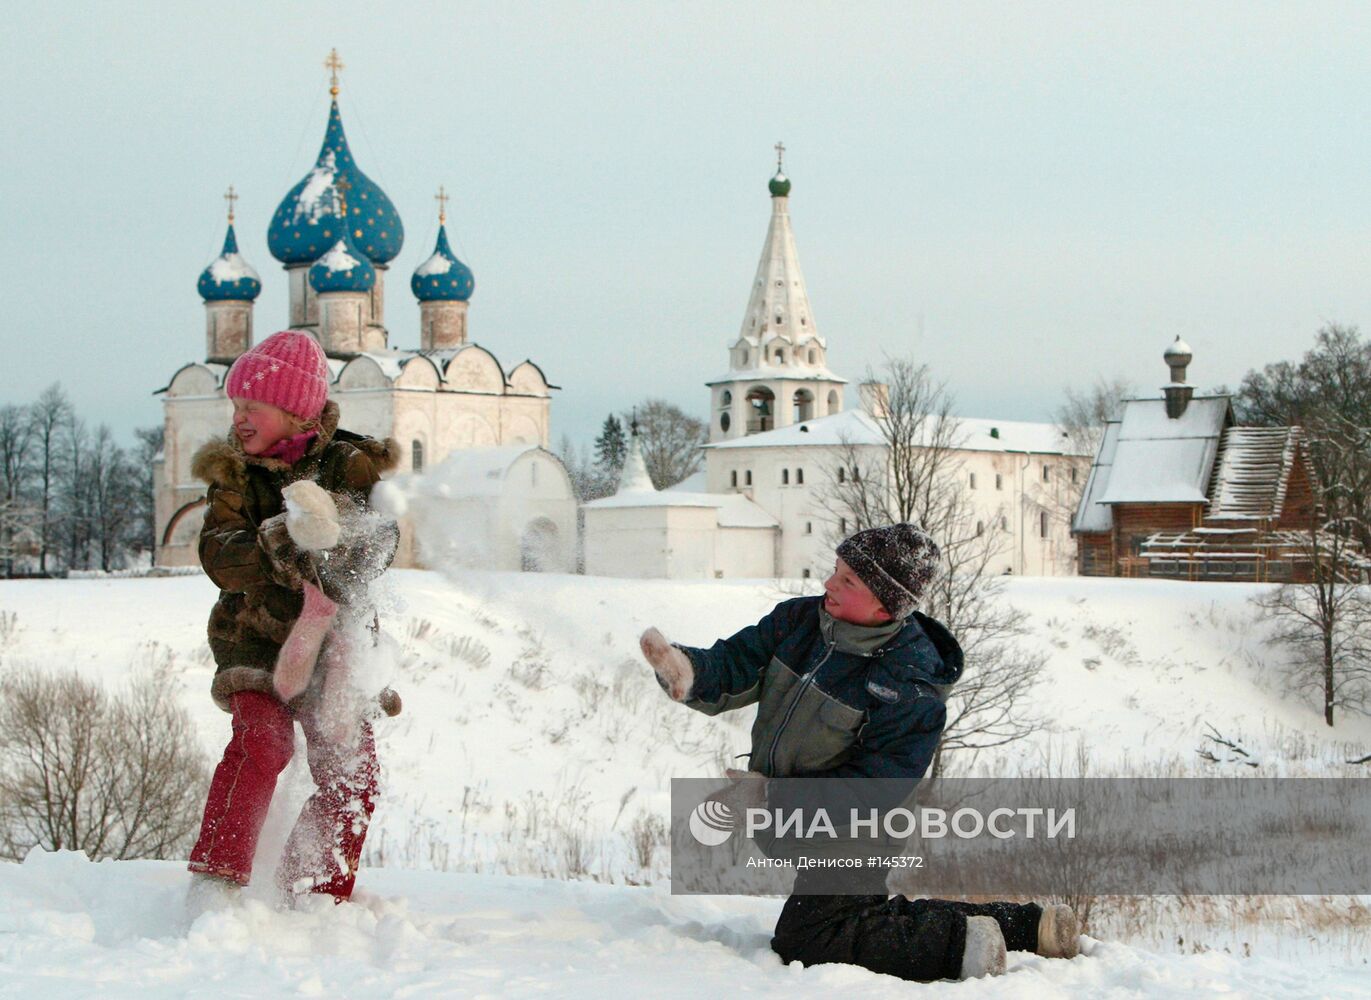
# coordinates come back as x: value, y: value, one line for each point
x: 285, y: 431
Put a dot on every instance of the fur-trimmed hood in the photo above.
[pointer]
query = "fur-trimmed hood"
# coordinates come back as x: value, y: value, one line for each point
x: 224, y: 463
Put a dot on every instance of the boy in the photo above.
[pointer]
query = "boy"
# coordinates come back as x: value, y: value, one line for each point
x: 852, y: 685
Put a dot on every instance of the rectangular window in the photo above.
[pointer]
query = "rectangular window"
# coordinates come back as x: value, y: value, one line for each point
x: 1047, y: 473
x: 805, y: 574
x: 785, y: 477
x: 800, y: 477
x: 1074, y: 470
x: 842, y: 526
x: 1042, y: 523
x: 809, y: 527
x: 842, y: 475
x: 856, y: 474
x: 999, y: 481
x: 973, y: 480
x: 733, y: 478
x: 747, y: 477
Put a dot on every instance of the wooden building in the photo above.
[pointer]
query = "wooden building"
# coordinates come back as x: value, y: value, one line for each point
x: 1178, y: 490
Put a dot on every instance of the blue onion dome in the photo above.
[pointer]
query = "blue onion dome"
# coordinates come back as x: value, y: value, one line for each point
x: 779, y: 185
x: 343, y: 268
x: 442, y: 278
x: 229, y: 277
x: 308, y: 221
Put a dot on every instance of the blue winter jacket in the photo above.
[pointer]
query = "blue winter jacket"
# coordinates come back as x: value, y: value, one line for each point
x: 834, y: 700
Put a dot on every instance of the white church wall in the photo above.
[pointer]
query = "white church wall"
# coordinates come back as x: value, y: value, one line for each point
x: 539, y: 511
x: 626, y: 542
x: 808, y: 529
x: 745, y: 553
x: 691, y: 540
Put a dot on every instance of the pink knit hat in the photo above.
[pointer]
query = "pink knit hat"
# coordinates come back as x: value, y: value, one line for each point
x: 288, y: 370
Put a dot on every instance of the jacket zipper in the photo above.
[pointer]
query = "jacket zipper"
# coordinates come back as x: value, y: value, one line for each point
x: 805, y: 681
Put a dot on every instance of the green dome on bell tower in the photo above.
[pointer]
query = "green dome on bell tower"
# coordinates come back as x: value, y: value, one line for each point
x: 780, y: 184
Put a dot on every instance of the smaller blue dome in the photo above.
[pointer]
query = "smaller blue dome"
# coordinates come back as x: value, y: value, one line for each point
x: 343, y: 269
x: 442, y: 278
x: 229, y: 277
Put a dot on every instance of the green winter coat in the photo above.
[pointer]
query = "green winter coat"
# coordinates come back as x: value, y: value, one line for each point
x: 258, y: 571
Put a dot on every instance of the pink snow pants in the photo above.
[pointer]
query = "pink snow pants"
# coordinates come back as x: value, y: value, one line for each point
x: 325, y: 846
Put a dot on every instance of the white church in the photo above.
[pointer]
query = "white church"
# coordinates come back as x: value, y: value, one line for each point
x: 448, y: 402
x: 781, y: 424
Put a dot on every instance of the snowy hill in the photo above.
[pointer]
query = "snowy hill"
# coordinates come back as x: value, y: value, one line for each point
x: 534, y: 742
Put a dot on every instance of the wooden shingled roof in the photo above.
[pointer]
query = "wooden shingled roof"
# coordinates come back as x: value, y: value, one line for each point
x: 1252, y: 471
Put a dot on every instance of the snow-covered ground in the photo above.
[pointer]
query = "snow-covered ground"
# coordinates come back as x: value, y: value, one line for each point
x: 535, y: 742
x: 69, y: 928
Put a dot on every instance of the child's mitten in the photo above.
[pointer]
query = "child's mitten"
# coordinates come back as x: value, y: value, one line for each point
x: 311, y: 516
x: 674, y: 671
x: 295, y: 662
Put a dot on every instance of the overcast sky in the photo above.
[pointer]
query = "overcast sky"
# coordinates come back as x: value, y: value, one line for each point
x: 1024, y: 196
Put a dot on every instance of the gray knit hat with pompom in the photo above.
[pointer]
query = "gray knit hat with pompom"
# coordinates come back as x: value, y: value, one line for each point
x: 896, y: 562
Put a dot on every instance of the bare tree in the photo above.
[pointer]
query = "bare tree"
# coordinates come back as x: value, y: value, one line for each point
x: 1326, y: 623
x: 1083, y: 413
x: 913, y: 472
x: 1329, y: 387
x: 141, y: 534
x: 671, y: 440
x: 16, y: 442
x: 112, y: 488
x: 1081, y: 418
x: 50, y: 414
x: 116, y: 777
x: 589, y: 478
x: 76, y: 493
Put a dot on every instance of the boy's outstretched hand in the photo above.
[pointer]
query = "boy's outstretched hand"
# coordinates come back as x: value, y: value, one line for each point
x: 674, y: 671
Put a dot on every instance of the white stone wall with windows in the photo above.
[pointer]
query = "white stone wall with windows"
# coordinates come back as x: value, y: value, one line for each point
x: 1011, y: 494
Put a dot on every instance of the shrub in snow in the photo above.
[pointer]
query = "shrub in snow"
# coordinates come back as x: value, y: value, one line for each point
x: 116, y: 776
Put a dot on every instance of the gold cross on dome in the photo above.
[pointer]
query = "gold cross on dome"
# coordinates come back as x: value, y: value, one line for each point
x: 780, y: 155
x: 442, y: 199
x: 333, y: 64
x: 230, y: 196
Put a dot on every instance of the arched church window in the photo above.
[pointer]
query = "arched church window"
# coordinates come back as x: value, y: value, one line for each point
x: 778, y: 320
x: 780, y: 356
x: 833, y: 401
x: 802, y: 405
x: 813, y: 356
x: 725, y: 421
x: 416, y: 456
x: 799, y: 477
x: 803, y: 321
x: 726, y: 399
